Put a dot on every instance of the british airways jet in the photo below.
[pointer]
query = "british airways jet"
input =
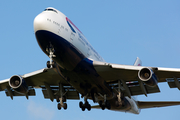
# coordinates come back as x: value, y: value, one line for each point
x: 75, y: 68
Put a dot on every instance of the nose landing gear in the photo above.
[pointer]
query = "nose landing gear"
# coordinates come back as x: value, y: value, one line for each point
x: 51, y: 63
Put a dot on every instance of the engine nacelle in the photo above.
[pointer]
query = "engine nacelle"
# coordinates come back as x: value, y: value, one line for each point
x: 148, y: 77
x: 18, y: 84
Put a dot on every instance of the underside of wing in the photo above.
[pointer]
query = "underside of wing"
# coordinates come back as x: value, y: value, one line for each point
x: 130, y: 77
x: 111, y: 72
x: 51, y: 82
x: 144, y: 105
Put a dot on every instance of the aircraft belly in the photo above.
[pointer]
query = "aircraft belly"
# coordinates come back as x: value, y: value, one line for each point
x: 90, y: 80
x: 80, y: 70
x: 65, y: 53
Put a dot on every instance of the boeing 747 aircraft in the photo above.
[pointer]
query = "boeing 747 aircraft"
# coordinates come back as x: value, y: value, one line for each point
x: 75, y: 68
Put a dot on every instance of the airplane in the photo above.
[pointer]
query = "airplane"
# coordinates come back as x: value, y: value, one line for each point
x: 76, y: 70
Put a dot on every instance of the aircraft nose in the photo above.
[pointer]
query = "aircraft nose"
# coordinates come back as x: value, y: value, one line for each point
x: 40, y: 22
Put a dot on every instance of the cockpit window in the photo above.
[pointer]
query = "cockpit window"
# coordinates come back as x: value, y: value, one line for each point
x: 49, y: 9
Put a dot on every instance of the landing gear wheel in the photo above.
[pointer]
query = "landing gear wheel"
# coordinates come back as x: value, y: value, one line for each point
x: 83, y: 108
x: 89, y: 107
x: 86, y: 104
x: 64, y: 99
x: 80, y: 104
x: 100, y: 103
x: 59, y: 106
x: 103, y: 107
x: 108, y: 105
x: 65, y: 106
x: 48, y: 64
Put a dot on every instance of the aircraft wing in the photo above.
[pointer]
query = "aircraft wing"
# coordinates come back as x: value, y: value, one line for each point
x: 128, y: 75
x: 46, y: 79
x: 145, y: 104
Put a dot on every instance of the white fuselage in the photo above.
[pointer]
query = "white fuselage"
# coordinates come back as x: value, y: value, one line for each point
x: 56, y: 22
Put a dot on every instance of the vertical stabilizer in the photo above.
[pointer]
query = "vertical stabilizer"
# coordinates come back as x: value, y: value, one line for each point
x: 138, y: 62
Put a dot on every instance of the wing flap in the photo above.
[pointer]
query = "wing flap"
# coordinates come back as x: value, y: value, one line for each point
x: 37, y: 79
x: 30, y: 93
x: 144, y: 105
x: 70, y: 95
x: 113, y: 72
x: 136, y: 90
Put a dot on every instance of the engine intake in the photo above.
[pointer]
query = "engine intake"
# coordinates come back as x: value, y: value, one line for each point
x: 148, y: 77
x: 18, y: 84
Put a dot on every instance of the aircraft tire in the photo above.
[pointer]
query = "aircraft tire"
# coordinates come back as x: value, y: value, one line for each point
x: 89, y: 107
x: 80, y: 104
x: 65, y: 106
x: 103, y: 107
x: 83, y: 108
x: 108, y: 105
x: 59, y: 106
x: 48, y: 64
x: 100, y: 103
x: 64, y: 99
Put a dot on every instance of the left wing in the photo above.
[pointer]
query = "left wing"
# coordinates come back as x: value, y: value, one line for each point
x: 144, y: 105
x: 130, y: 77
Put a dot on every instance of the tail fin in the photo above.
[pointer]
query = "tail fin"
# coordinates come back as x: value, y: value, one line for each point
x: 144, y: 105
x: 138, y: 62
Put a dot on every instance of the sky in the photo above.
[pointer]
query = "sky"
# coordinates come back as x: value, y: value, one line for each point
x: 119, y: 30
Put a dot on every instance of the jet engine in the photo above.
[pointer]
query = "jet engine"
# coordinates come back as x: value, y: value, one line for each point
x: 148, y: 77
x: 18, y: 84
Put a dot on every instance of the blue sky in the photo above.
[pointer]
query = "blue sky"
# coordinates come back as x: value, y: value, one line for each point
x: 119, y: 30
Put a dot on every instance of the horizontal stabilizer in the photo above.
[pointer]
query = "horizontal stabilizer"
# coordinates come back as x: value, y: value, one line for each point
x: 144, y: 105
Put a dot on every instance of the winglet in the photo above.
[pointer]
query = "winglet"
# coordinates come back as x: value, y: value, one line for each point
x: 138, y: 62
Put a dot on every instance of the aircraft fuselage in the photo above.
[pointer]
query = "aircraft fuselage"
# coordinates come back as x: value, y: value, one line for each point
x: 74, y: 56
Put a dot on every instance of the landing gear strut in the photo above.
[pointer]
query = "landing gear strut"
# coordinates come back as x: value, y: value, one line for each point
x: 51, y: 63
x: 85, y: 105
x: 120, y: 96
x: 61, y: 100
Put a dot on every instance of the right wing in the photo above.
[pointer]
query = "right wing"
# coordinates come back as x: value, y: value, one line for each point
x: 47, y: 79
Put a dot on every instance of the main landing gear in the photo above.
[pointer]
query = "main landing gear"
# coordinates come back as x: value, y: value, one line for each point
x: 104, y: 104
x: 61, y: 103
x: 85, y: 105
x: 120, y: 96
x: 61, y: 100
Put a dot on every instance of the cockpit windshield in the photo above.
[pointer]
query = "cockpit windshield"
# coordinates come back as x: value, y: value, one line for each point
x: 50, y: 9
